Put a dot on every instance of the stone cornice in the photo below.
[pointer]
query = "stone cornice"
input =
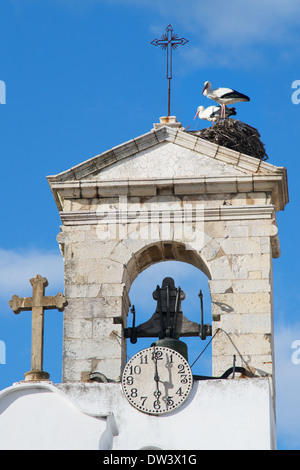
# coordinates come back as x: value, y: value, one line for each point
x: 88, y: 189
x: 172, y: 215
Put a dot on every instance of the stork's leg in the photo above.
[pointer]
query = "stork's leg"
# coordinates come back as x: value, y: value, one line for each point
x: 222, y: 111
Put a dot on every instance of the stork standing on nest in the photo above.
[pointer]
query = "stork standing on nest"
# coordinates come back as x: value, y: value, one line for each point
x: 223, y: 96
x: 213, y: 113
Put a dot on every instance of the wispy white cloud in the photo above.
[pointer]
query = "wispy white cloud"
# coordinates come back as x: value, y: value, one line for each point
x: 236, y: 24
x: 18, y: 266
x: 231, y: 33
x: 218, y: 22
x: 235, y: 33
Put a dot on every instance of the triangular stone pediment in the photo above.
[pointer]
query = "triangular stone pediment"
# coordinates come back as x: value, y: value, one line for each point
x: 172, y: 155
x: 186, y: 151
x: 169, y: 160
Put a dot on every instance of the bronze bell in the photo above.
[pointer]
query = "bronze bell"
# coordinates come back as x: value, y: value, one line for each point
x: 168, y: 322
x: 175, y: 344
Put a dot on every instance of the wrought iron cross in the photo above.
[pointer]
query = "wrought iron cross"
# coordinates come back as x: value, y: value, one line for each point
x: 168, y: 42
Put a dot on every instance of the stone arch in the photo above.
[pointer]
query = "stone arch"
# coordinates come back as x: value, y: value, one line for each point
x: 164, y: 251
x: 209, y: 258
x: 136, y: 255
x: 135, y: 262
x: 157, y: 252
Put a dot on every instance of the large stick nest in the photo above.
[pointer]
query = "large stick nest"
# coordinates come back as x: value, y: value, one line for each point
x: 235, y: 135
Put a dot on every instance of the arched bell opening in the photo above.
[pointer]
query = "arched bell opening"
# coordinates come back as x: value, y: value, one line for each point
x: 149, y: 268
x: 165, y: 251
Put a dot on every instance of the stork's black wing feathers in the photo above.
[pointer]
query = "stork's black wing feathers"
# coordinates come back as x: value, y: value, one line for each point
x: 216, y: 113
x: 229, y: 112
x: 235, y: 94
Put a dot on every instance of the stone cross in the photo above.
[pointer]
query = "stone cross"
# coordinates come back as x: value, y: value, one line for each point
x: 37, y: 303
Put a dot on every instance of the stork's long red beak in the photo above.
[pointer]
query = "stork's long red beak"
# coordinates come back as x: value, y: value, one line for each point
x: 196, y: 115
x: 203, y: 89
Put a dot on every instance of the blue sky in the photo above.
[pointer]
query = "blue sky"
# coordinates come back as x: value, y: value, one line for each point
x: 81, y: 77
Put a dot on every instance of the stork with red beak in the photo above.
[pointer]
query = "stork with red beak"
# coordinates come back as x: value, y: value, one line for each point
x: 223, y: 96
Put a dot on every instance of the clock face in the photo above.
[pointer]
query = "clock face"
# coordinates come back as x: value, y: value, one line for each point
x: 157, y: 380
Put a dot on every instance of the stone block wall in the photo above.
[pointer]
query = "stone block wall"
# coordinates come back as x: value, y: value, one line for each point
x: 232, y: 244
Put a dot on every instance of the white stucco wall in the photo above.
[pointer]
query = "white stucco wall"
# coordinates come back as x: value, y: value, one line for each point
x: 40, y: 417
x: 221, y: 414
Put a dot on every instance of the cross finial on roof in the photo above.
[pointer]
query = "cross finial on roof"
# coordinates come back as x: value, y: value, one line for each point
x: 169, y: 42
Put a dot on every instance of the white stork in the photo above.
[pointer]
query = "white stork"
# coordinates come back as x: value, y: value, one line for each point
x: 223, y: 96
x: 213, y: 113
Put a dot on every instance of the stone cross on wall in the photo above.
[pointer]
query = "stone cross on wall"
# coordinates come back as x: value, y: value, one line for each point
x: 37, y: 303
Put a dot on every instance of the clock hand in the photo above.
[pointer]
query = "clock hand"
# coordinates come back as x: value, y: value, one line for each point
x: 168, y: 384
x: 157, y: 393
x: 169, y: 366
x: 156, y: 376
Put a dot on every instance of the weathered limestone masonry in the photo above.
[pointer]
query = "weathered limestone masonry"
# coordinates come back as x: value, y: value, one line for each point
x: 168, y: 195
